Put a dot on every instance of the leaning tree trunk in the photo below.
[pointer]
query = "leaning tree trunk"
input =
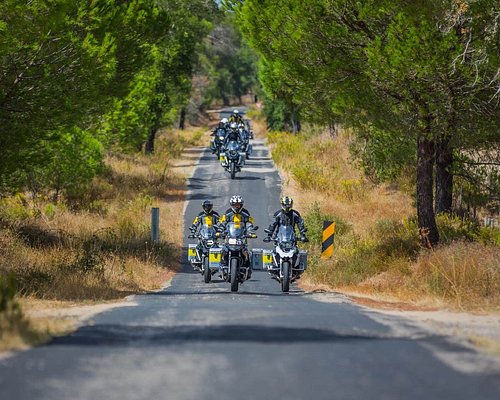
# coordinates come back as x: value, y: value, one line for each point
x: 150, y: 142
x: 444, y: 176
x: 425, y: 207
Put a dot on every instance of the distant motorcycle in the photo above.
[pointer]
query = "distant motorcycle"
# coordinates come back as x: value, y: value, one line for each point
x: 199, y: 253
x: 218, y: 142
x: 238, y: 263
x: 288, y: 262
x: 232, y: 159
x: 246, y: 147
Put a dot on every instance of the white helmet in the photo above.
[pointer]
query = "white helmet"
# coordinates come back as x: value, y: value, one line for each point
x: 236, y: 112
x: 236, y: 203
x: 224, y: 120
x: 233, y: 125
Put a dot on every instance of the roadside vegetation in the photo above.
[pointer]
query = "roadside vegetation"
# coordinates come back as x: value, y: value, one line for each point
x: 96, y: 246
x: 392, y: 121
x: 90, y: 95
x: 377, y: 246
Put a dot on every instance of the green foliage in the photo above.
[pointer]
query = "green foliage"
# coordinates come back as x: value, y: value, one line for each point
x: 77, y: 72
x: 400, y: 73
x: 314, y: 219
x: 228, y: 63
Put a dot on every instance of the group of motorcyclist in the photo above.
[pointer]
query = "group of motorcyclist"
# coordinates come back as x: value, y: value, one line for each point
x: 237, y: 214
x: 231, y: 136
x: 232, y: 129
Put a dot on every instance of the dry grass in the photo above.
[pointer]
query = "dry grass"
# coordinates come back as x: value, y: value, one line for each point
x: 97, y: 247
x: 377, y: 251
x: 325, y: 172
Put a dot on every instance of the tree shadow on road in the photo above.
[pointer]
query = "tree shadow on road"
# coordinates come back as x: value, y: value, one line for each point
x: 109, y: 335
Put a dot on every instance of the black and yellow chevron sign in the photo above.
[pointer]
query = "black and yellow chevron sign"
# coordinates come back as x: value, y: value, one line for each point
x: 328, y: 236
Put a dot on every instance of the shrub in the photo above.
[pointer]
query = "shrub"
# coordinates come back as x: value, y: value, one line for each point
x: 314, y: 219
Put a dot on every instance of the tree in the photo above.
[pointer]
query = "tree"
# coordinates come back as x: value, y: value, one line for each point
x: 397, y: 68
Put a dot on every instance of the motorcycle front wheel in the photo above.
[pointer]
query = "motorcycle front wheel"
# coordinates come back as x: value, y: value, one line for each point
x: 285, y: 280
x: 207, y: 274
x: 233, y: 170
x: 235, y: 275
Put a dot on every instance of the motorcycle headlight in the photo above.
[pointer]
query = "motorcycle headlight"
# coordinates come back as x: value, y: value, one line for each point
x: 234, y: 241
x: 221, y: 137
x: 210, y: 242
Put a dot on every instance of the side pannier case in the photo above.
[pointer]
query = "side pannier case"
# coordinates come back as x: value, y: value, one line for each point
x: 256, y: 258
x: 223, y: 159
x: 192, y: 254
x: 267, y: 259
x: 215, y: 257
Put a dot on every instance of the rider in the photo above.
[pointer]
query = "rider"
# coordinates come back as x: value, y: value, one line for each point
x: 220, y: 130
x: 233, y: 133
x: 239, y: 215
x: 236, y: 117
x: 221, y: 125
x: 286, y: 216
x: 208, y: 217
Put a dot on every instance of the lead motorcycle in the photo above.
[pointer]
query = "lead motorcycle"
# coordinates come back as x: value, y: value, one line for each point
x: 231, y: 158
x: 199, y: 253
x: 288, y: 262
x: 237, y: 269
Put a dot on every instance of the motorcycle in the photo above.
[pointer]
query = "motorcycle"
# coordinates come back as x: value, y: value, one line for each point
x: 237, y: 268
x: 246, y: 147
x: 218, y: 142
x: 199, y: 253
x: 288, y: 262
x: 231, y: 158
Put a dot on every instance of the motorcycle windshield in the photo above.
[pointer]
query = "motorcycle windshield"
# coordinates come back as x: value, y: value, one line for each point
x: 207, y: 232
x: 286, y: 234
x: 235, y: 231
x: 232, y: 146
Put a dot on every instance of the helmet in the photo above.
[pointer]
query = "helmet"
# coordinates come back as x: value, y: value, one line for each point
x: 233, y: 125
x: 236, y: 203
x: 224, y: 120
x: 286, y: 203
x: 236, y: 112
x: 207, y: 206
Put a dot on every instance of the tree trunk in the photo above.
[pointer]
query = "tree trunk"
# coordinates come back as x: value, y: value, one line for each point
x: 295, y: 122
x: 444, y: 177
x: 425, y: 209
x: 150, y: 142
x: 182, y: 119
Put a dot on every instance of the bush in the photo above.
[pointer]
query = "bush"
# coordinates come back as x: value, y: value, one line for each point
x: 314, y: 219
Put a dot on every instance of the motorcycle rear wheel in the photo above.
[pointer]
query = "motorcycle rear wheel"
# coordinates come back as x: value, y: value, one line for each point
x: 235, y: 278
x: 285, y: 280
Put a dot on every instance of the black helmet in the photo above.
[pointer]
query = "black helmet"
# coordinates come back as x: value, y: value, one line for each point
x: 286, y: 203
x: 236, y: 203
x: 207, y: 206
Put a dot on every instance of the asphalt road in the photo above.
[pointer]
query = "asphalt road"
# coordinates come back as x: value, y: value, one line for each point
x: 200, y: 341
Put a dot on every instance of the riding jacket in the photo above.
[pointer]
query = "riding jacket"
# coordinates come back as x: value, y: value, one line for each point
x: 211, y: 220
x: 242, y: 217
x: 292, y: 217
